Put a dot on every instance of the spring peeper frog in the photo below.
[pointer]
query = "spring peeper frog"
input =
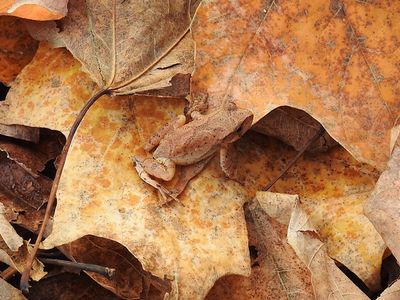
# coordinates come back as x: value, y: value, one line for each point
x: 186, y: 144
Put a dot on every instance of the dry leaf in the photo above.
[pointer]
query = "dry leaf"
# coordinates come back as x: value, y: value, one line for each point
x: 333, y: 188
x: 109, y: 200
x: 8, y: 233
x: 17, y: 212
x: 277, y: 273
x: 294, y: 127
x: 392, y: 292
x: 382, y: 208
x: 17, y: 47
x: 338, y: 61
x: 127, y: 46
x: 8, y: 292
x: 17, y: 259
x: 40, y: 10
x: 16, y: 181
x: 328, y: 281
x: 20, y: 132
x: 130, y: 280
x: 67, y: 286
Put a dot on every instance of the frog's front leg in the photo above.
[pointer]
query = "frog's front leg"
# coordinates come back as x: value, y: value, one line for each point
x: 228, y: 160
x: 156, y: 137
x: 160, y: 167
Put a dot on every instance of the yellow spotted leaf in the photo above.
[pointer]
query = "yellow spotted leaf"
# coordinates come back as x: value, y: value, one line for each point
x: 191, y: 243
x: 336, y: 60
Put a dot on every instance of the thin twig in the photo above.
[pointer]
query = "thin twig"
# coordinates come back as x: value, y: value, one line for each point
x: 104, y: 271
x: 8, y: 273
x: 317, y: 135
x: 24, y: 283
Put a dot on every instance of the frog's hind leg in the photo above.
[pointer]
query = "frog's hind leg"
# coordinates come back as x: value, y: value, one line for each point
x: 157, y: 136
x: 228, y: 161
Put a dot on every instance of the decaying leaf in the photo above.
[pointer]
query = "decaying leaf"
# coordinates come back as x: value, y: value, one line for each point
x: 40, y: 10
x: 18, y: 212
x: 339, y: 63
x: 294, y: 127
x: 17, y: 47
x: 192, y: 243
x: 383, y: 206
x: 8, y: 292
x: 127, y: 46
x: 67, y: 286
x: 16, y: 181
x: 130, y: 280
x: 20, y: 132
x: 332, y: 187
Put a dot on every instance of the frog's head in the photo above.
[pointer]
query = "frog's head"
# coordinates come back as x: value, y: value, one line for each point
x: 241, y: 120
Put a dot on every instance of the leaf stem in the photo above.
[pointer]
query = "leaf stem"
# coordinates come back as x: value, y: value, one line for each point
x: 24, y: 283
x: 317, y: 135
x: 104, y: 271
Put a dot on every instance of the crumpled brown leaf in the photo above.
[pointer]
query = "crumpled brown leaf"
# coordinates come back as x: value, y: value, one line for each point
x: 192, y: 243
x: 294, y: 127
x: 17, y: 47
x: 67, y: 286
x: 40, y: 10
x: 383, y: 206
x: 127, y: 46
x: 130, y: 281
x: 339, y: 63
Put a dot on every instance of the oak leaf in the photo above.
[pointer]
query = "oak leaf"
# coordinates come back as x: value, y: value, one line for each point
x: 336, y: 60
x: 108, y: 199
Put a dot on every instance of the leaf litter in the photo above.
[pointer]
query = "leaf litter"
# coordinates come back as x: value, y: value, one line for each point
x: 338, y: 67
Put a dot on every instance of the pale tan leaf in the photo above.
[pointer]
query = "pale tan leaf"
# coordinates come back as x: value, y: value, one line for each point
x: 8, y: 292
x: 277, y: 206
x: 276, y: 273
x: 128, y: 46
x: 192, y: 243
x: 328, y: 281
x: 383, y: 206
x: 17, y: 259
x: 392, y: 292
x: 8, y: 233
